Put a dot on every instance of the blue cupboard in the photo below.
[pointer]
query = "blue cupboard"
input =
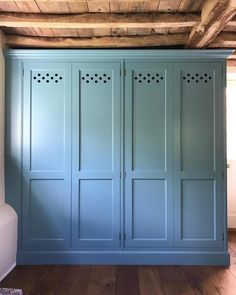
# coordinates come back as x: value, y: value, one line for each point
x: 117, y: 156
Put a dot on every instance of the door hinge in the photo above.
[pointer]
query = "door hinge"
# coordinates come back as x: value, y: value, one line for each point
x: 23, y: 71
x: 125, y: 72
x: 223, y: 237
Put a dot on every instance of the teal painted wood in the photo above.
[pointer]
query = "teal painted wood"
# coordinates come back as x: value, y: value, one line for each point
x: 148, y: 155
x: 201, y: 186
x: 198, y: 156
x: 13, y: 137
x: 96, y: 155
x: 46, y: 155
x: 95, y: 54
x: 125, y: 257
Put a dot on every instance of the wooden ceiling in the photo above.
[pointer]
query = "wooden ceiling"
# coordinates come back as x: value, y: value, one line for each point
x: 118, y: 23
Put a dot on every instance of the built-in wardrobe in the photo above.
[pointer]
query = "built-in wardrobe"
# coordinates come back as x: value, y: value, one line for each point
x: 117, y: 156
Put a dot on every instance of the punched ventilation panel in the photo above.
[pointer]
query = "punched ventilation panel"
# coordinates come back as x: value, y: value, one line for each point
x: 196, y: 77
x: 97, y: 78
x: 149, y: 77
x: 47, y: 77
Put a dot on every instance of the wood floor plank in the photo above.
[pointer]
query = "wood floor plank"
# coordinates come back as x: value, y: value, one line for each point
x: 149, y: 281
x: 223, y: 280
x: 174, y: 281
x: 127, y: 280
x: 23, y: 277
x: 198, y: 279
x: 50, y: 280
x: 75, y: 280
x: 102, y: 281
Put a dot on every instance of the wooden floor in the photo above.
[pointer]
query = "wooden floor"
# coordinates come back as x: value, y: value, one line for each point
x: 126, y: 280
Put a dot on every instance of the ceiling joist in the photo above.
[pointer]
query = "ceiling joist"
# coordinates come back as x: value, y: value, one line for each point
x: 99, y: 20
x: 223, y: 40
x: 215, y: 15
x: 101, y: 42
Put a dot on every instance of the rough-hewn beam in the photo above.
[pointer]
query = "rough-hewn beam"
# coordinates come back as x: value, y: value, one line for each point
x: 100, y: 20
x: 102, y: 42
x: 75, y: 0
x: 224, y: 40
x: 214, y: 16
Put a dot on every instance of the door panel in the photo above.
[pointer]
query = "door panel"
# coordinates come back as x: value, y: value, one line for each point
x: 149, y: 197
x: 198, y: 156
x: 148, y: 155
x: 95, y: 209
x: 96, y: 155
x: 46, y: 155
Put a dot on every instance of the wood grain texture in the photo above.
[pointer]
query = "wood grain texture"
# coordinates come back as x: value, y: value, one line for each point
x: 198, y: 280
x: 225, y: 39
x: 149, y: 281
x: 105, y: 20
x: 95, y: 18
x: 215, y: 15
x: 103, y: 42
x: 174, y: 281
x: 125, y: 280
x: 102, y: 281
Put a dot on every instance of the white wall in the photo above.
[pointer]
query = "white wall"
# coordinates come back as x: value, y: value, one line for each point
x: 231, y: 147
x: 2, y: 70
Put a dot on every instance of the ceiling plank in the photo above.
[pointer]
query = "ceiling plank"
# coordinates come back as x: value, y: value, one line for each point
x: 99, y: 20
x: 134, y: 6
x: 102, y: 42
x: 214, y: 17
x: 224, y: 40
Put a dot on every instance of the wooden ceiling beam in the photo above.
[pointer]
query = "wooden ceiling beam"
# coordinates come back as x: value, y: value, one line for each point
x: 101, y: 42
x: 99, y: 20
x: 214, y: 16
x: 224, y: 40
x: 71, y: 1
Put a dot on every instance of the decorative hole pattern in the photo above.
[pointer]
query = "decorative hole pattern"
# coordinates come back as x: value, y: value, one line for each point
x: 96, y: 78
x: 47, y: 77
x: 149, y: 78
x: 196, y: 78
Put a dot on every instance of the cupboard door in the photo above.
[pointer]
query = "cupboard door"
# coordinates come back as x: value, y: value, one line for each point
x: 148, y: 155
x: 46, y: 155
x: 96, y: 155
x: 198, y: 155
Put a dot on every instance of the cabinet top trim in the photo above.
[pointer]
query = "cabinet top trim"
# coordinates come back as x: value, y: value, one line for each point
x: 113, y: 53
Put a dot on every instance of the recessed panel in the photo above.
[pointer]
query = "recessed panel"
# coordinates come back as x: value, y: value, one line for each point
x: 197, y: 120
x: 149, y: 209
x: 47, y: 129
x: 198, y: 209
x: 95, y: 209
x: 149, y: 120
x: 96, y: 120
x: 47, y: 205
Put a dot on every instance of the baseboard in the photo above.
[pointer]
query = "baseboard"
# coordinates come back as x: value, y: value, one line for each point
x: 8, y: 271
x: 231, y: 230
x: 151, y: 258
x: 232, y: 220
